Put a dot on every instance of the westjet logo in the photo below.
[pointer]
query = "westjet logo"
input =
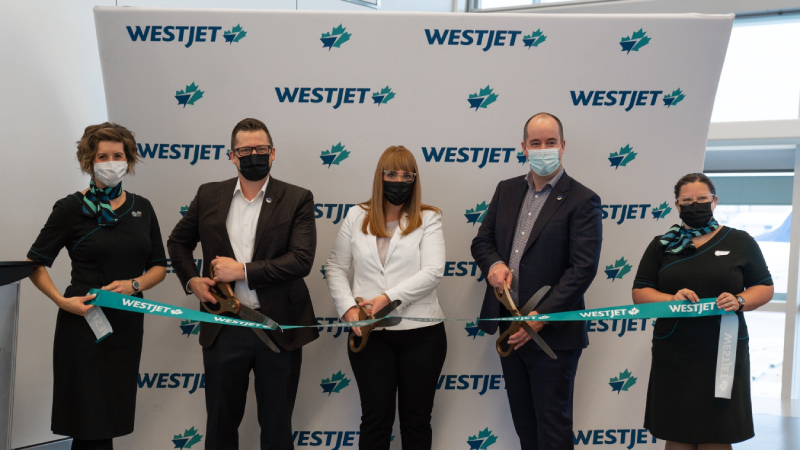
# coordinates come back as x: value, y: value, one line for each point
x: 475, y: 155
x: 187, y: 33
x: 331, y: 210
x: 191, y: 381
x: 337, y: 96
x: 480, y: 383
x: 621, y: 98
x: 493, y: 38
x: 193, y: 152
x: 628, y: 437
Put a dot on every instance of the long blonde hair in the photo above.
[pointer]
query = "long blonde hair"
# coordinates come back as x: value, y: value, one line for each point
x: 394, y: 158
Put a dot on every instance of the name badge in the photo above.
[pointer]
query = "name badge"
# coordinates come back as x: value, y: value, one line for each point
x: 721, y: 252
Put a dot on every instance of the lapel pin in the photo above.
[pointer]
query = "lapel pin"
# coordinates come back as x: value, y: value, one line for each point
x: 269, y: 200
x: 559, y: 198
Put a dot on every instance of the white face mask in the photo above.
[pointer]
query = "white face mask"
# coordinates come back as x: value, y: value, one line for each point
x: 110, y: 173
x: 543, y: 162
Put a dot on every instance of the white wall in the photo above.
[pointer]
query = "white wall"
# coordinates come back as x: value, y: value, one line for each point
x: 51, y: 88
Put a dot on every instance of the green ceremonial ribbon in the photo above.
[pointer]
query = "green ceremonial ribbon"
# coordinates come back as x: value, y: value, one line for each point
x: 674, y: 309
x: 108, y: 299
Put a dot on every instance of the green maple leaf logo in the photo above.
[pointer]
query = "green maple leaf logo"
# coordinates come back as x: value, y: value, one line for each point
x: 626, y: 151
x: 641, y: 36
x: 339, y: 151
x: 622, y: 265
x: 664, y: 208
x: 193, y: 89
x: 195, y: 330
x: 338, y: 31
x: 195, y: 437
x: 485, y: 92
x: 238, y: 31
x: 340, y: 380
x: 481, y: 208
x: 386, y: 93
x: 536, y: 35
x: 628, y: 379
x: 678, y: 95
x: 488, y: 437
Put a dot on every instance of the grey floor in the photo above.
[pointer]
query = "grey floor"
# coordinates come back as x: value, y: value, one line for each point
x: 773, y: 433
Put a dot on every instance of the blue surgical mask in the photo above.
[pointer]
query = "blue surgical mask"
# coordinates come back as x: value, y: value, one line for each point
x: 543, y: 162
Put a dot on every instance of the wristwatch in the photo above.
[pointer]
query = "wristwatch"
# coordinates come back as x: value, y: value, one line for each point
x: 741, y: 303
x: 136, y: 286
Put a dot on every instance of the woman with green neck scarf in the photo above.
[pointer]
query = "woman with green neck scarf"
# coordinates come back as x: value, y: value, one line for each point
x: 114, y: 243
x: 700, y: 258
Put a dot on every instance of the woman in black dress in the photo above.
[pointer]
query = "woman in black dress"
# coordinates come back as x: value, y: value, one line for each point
x: 699, y: 259
x: 113, y: 240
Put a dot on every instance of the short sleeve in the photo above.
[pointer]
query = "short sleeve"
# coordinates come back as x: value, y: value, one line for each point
x: 649, y: 266
x: 158, y: 256
x: 56, y: 233
x: 755, y: 269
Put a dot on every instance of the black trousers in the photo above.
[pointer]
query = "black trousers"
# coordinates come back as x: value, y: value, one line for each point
x: 228, y: 362
x: 540, y: 395
x: 403, y: 365
x: 84, y: 444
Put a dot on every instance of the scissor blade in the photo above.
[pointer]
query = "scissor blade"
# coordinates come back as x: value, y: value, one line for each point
x: 539, y: 341
x: 387, y: 309
x: 263, y: 336
x: 534, y: 300
x: 389, y: 322
x: 251, y: 315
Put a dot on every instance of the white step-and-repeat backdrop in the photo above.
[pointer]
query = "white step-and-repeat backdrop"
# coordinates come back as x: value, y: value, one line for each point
x: 635, y: 95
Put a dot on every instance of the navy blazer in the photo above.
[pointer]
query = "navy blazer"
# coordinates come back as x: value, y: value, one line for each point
x: 286, y: 240
x: 563, y: 252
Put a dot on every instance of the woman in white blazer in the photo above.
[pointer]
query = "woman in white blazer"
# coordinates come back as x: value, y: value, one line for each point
x: 395, y: 246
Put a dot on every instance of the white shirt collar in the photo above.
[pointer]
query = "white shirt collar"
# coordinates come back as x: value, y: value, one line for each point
x: 238, y: 188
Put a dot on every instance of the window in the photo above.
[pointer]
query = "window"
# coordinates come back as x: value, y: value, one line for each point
x: 489, y: 4
x: 761, y: 75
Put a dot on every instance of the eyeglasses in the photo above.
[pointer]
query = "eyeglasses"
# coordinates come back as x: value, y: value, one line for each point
x: 702, y: 198
x: 406, y: 177
x: 246, y: 151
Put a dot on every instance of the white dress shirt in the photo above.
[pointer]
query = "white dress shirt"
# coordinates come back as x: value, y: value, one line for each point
x: 413, y: 267
x: 241, y: 224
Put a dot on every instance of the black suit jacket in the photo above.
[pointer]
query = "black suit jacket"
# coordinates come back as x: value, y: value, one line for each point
x: 563, y: 251
x: 285, y: 244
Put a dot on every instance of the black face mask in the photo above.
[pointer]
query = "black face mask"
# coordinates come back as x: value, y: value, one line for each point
x: 696, y: 215
x: 397, y: 192
x: 254, y: 167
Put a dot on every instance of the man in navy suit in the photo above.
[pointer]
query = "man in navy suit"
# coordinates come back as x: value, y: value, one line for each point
x: 542, y: 229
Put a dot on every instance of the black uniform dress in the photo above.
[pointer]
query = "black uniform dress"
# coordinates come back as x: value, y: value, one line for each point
x: 681, y: 406
x: 94, y: 392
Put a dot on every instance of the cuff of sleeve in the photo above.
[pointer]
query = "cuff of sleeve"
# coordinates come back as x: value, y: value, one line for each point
x: 187, y: 288
x: 40, y: 259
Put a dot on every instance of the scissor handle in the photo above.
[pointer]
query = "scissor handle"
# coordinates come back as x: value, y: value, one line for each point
x: 504, y: 337
x: 227, y: 302
x: 363, y: 314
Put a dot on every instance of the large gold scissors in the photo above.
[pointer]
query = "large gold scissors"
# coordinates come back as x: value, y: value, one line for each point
x: 228, y: 303
x: 365, y: 314
x: 505, y: 298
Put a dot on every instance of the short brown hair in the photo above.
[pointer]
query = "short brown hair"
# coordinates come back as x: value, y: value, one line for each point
x: 107, y: 131
x: 694, y: 178
x: 249, y: 124
x: 558, y: 121
x: 394, y: 158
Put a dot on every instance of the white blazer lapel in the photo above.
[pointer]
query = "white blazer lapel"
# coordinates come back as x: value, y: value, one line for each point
x: 395, y: 238
x: 372, y: 243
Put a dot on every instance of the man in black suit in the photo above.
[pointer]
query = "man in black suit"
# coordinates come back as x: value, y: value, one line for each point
x: 260, y: 236
x: 541, y: 229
